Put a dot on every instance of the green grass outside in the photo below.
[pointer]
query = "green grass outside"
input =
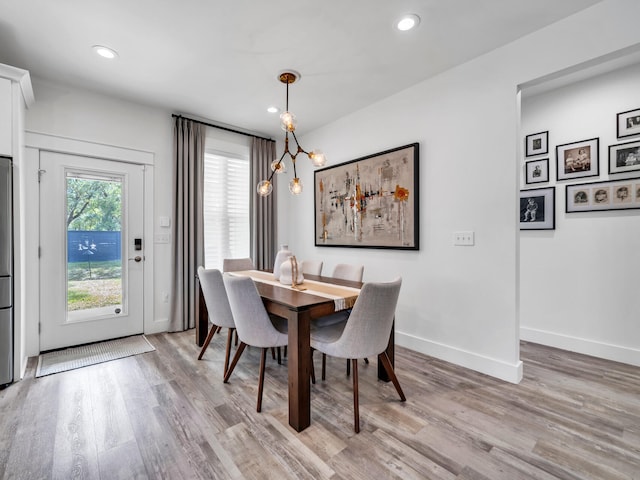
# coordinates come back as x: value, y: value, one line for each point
x: 94, y: 284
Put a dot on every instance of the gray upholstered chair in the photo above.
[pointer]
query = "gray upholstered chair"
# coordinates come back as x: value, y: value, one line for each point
x: 253, y: 324
x: 237, y: 264
x: 348, y: 272
x: 312, y: 267
x: 365, y: 334
x: 215, y: 296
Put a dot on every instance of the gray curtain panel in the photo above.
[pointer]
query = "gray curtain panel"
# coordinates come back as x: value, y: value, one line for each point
x: 188, y: 231
x: 263, y: 209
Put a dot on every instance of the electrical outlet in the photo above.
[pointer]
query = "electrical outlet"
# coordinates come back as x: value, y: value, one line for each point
x: 464, y: 238
x: 162, y: 238
x: 165, y: 297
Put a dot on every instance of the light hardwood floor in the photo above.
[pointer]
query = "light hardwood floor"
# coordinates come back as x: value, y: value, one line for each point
x: 165, y: 415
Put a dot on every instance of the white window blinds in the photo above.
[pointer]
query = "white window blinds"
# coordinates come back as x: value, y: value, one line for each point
x: 226, y: 209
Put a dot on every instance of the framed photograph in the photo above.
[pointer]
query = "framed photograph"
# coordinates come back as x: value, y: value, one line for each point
x: 628, y: 123
x: 536, y: 144
x: 609, y: 195
x: 536, y: 171
x: 624, y: 157
x: 538, y: 209
x: 577, y: 159
x: 369, y: 202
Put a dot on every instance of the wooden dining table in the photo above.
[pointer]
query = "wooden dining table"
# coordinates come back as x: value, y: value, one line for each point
x: 300, y: 308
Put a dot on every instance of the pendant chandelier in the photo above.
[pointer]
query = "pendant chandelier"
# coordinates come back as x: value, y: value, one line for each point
x: 288, y: 124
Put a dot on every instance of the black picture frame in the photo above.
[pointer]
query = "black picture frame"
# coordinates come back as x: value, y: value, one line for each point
x: 578, y: 159
x: 536, y: 171
x: 623, y: 194
x: 628, y: 123
x: 370, y: 202
x: 537, y: 209
x: 536, y: 144
x: 624, y: 157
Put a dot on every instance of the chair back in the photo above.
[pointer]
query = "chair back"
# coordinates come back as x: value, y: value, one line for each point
x: 215, y: 296
x: 348, y: 272
x: 312, y: 267
x: 253, y: 324
x: 237, y: 264
x: 367, y: 331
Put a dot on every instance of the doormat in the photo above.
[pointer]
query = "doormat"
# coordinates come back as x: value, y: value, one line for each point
x: 92, y: 354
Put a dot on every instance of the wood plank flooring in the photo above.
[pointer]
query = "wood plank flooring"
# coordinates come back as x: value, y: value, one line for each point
x: 166, y: 415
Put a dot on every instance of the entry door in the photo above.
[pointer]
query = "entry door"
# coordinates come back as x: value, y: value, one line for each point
x: 91, y: 250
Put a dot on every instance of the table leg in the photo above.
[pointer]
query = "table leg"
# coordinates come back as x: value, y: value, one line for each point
x: 382, y: 373
x: 299, y: 363
x: 202, y: 316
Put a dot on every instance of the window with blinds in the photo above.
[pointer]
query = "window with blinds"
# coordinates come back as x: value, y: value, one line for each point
x: 226, y: 208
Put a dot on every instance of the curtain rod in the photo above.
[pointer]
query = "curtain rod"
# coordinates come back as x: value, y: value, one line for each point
x: 222, y: 128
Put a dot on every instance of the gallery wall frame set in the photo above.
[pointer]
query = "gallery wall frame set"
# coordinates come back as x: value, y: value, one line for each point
x: 536, y: 144
x: 598, y: 196
x: 538, y: 209
x: 628, y: 123
x: 369, y: 202
x: 536, y: 171
x: 578, y: 159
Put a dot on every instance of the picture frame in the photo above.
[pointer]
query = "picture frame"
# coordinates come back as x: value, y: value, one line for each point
x: 621, y: 194
x: 369, y: 202
x: 536, y: 171
x: 578, y: 159
x: 536, y: 144
x: 624, y: 157
x: 628, y: 123
x: 538, y: 208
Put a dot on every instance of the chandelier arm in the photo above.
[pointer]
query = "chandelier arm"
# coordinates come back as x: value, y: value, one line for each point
x: 300, y: 149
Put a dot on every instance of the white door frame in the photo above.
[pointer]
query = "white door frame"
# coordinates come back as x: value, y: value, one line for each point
x: 36, y: 142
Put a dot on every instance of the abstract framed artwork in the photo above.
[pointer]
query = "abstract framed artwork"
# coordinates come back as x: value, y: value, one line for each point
x: 577, y: 159
x: 536, y: 171
x: 538, y: 209
x: 628, y: 123
x: 536, y: 144
x: 624, y: 157
x: 598, y: 196
x: 369, y: 202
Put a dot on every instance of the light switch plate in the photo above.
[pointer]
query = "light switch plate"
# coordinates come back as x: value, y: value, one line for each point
x: 466, y: 239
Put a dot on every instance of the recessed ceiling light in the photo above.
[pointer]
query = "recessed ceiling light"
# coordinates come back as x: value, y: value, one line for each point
x: 407, y: 22
x: 105, y: 52
x: 273, y: 109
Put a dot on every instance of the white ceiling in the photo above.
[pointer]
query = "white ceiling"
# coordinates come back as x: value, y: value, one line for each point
x: 219, y: 60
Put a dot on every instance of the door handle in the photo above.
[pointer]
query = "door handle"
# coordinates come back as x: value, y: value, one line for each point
x: 137, y: 258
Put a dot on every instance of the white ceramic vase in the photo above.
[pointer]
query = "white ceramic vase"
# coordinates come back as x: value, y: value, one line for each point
x: 286, y: 272
x: 283, y: 254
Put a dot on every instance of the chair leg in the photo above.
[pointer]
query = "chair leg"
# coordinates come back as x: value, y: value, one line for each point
x: 366, y: 360
x: 384, y: 358
x: 228, y: 351
x: 348, y: 367
x: 279, y: 356
x: 313, y: 369
x: 236, y: 357
x: 263, y: 360
x: 356, y: 409
x: 212, y: 332
x: 273, y: 353
x: 324, y: 366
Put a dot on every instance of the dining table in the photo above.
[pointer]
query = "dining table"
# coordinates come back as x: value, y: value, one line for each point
x: 316, y: 297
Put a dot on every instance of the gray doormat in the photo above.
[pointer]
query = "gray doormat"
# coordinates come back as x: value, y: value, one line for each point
x: 85, y: 355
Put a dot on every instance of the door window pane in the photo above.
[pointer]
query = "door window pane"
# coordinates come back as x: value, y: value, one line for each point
x: 94, y: 247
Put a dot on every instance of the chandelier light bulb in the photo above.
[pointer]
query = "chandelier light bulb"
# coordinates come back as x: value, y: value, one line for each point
x: 278, y: 166
x: 288, y: 121
x: 317, y: 158
x: 265, y: 187
x: 295, y: 186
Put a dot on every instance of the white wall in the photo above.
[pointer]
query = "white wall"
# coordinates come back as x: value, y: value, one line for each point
x: 83, y: 115
x: 579, y: 282
x: 459, y: 303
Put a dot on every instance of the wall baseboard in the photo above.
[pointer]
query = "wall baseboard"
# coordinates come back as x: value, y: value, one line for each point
x: 585, y: 346
x: 489, y: 366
